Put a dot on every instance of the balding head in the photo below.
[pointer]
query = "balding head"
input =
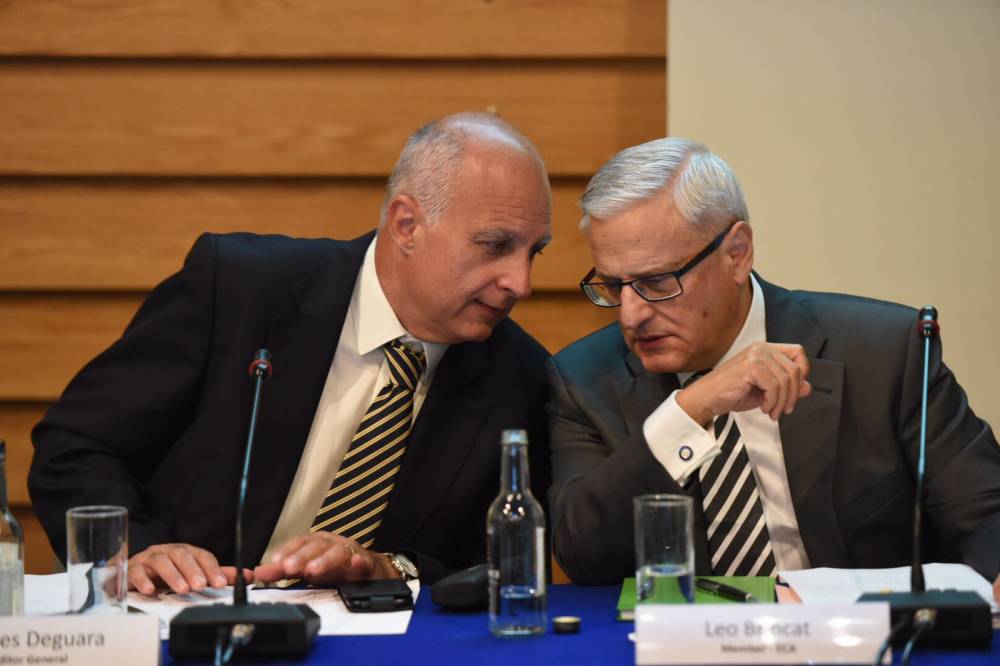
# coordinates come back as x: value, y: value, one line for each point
x: 467, y: 210
x: 428, y: 166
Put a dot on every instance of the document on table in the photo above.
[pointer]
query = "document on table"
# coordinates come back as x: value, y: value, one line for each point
x: 846, y: 585
x: 48, y: 595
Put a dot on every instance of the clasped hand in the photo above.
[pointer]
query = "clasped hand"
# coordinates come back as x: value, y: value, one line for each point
x: 771, y: 376
x: 319, y: 558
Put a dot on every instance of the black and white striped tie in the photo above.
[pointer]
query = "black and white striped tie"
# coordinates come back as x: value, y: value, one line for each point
x: 738, y: 540
x: 360, y: 490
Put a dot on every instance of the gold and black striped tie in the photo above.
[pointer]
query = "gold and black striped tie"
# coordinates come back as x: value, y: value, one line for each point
x: 360, y: 491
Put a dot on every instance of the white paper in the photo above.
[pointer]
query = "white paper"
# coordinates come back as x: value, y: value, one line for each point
x: 48, y: 595
x: 825, y: 585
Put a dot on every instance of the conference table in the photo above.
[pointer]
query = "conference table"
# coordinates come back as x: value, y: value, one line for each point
x: 443, y: 638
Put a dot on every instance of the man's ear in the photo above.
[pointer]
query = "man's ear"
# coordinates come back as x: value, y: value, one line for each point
x: 402, y: 221
x: 738, y: 247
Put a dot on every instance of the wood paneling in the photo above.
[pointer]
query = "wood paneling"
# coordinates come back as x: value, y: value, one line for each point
x: 114, y: 234
x: 47, y: 338
x: 312, y: 119
x: 342, y: 29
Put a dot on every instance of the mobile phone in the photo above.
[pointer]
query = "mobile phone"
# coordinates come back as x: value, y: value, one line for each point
x: 376, y: 596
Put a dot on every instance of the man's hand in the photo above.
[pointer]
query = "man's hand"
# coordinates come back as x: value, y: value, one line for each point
x: 768, y: 375
x: 322, y: 558
x: 180, y: 567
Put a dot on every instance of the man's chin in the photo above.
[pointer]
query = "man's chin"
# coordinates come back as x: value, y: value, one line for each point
x: 476, y: 331
x: 660, y: 361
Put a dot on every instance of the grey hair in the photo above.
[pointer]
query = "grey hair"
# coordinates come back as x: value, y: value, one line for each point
x: 427, y: 168
x: 703, y: 187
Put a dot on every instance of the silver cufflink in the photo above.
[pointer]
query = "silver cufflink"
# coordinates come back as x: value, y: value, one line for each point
x: 686, y: 453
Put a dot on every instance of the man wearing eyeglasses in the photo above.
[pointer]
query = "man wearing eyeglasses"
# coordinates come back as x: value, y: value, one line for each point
x: 791, y: 418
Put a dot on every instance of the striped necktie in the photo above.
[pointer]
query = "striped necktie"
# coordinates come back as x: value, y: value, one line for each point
x: 360, y: 490
x: 738, y: 541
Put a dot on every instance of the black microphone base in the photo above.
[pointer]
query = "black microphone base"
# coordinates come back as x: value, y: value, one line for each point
x: 963, y: 618
x: 280, y: 630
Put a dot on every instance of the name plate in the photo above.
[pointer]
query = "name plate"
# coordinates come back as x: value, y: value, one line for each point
x: 80, y: 640
x: 760, y: 633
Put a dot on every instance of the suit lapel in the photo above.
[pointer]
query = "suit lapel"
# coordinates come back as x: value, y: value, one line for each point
x: 302, y: 342
x: 446, y: 430
x: 809, y: 435
x: 643, y: 393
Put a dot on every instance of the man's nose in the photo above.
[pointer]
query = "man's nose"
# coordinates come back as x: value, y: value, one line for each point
x: 634, y: 310
x: 516, y: 278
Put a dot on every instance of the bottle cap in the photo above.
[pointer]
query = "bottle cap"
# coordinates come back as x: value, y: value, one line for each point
x: 566, y: 624
x: 513, y: 436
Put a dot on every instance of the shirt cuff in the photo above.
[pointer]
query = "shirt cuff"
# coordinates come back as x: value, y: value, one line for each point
x: 677, y: 441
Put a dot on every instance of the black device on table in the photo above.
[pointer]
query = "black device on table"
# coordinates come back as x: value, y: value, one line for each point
x: 376, y: 596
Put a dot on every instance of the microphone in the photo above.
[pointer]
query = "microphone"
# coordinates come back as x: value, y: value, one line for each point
x: 258, y: 630
x: 927, y: 325
x: 928, y: 329
x: 260, y: 370
x: 945, y: 616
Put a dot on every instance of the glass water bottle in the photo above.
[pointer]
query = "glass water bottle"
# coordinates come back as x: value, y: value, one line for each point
x: 11, y: 550
x: 515, y: 532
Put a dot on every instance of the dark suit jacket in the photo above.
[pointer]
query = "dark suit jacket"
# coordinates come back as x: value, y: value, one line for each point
x: 158, y: 422
x: 849, y: 448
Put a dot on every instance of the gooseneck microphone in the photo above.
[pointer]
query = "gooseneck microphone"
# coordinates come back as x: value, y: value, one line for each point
x: 260, y: 371
x: 944, y: 616
x: 257, y: 630
x: 927, y: 329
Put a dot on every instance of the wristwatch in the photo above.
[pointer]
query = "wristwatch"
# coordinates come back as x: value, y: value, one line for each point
x: 401, y: 563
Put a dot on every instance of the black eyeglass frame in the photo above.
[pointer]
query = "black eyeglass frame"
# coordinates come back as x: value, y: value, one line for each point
x: 586, y: 284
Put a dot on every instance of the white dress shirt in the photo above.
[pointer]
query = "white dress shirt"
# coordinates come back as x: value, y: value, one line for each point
x: 358, y: 372
x: 669, y: 428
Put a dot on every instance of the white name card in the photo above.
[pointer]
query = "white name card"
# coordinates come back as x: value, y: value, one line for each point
x: 760, y: 633
x: 80, y: 640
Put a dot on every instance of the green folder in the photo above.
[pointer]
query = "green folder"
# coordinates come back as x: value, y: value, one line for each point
x: 761, y: 587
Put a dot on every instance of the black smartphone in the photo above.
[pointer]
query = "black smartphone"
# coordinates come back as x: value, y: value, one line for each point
x: 376, y: 596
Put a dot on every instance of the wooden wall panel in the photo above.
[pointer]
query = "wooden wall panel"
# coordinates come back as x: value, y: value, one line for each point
x: 342, y: 29
x: 315, y: 119
x: 47, y: 338
x: 128, y: 234
x: 50, y: 337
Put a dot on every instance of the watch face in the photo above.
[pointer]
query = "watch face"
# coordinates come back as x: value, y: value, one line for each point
x: 408, y: 568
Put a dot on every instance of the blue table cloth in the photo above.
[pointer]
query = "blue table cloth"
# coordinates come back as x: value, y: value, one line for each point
x: 442, y: 638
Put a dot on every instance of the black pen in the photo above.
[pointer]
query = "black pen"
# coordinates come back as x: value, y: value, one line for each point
x: 723, y: 590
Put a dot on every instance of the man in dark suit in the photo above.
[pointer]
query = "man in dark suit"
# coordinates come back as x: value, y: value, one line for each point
x: 790, y: 417
x: 395, y: 370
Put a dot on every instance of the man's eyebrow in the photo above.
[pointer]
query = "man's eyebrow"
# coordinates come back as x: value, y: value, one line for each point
x: 493, y: 235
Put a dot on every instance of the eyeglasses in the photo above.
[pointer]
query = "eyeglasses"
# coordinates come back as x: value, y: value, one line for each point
x: 653, y: 288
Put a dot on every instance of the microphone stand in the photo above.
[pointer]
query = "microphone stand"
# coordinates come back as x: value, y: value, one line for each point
x: 944, y: 616
x: 256, y: 630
